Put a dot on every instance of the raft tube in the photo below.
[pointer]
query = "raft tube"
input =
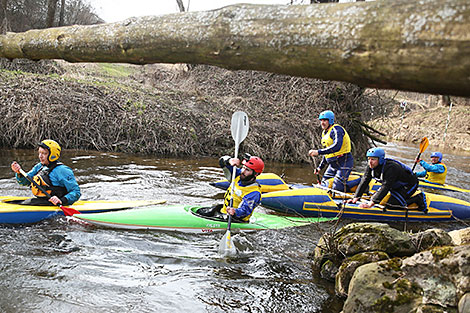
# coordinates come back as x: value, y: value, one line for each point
x: 315, y: 202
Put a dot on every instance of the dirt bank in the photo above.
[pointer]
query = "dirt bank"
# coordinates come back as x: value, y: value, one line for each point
x: 167, y: 110
x: 445, y: 127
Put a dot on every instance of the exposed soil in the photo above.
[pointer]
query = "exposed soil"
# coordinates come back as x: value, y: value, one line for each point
x: 445, y: 127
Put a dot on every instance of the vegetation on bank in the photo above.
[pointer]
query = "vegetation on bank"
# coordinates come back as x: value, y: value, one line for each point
x: 171, y: 110
x: 446, y: 127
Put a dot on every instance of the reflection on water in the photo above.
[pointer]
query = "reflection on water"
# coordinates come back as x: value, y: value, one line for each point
x: 60, y: 266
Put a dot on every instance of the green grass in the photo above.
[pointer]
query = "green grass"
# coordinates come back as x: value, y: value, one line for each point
x: 116, y: 70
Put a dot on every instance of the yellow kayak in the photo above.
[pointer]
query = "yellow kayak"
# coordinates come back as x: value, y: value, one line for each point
x: 11, y: 212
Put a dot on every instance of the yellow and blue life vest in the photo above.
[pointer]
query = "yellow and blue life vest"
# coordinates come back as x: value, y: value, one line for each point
x: 238, y: 194
x: 327, y: 141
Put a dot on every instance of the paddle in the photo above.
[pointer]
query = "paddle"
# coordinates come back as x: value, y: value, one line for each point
x: 315, y: 169
x: 67, y: 211
x: 423, y: 145
x: 239, y: 129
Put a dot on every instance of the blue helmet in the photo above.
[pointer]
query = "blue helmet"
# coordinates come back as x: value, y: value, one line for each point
x: 377, y: 153
x: 437, y: 155
x: 327, y: 115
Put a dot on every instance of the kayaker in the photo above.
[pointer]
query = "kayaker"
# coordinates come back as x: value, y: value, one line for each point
x: 57, y: 178
x: 435, y: 172
x: 395, y: 177
x: 247, y: 193
x: 336, y: 152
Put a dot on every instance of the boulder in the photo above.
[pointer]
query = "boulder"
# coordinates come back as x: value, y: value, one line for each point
x: 349, y: 265
x: 431, y: 238
x: 464, y: 303
x: 429, y: 281
x: 363, y: 237
x: 461, y: 236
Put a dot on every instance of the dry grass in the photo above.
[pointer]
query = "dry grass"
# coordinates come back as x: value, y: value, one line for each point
x: 167, y: 111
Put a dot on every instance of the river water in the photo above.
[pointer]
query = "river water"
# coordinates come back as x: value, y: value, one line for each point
x: 61, y: 266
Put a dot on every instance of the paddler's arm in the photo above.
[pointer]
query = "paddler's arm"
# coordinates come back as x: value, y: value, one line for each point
x: 227, y: 163
x: 23, y: 181
x: 434, y: 168
x: 363, y: 185
x: 248, y: 204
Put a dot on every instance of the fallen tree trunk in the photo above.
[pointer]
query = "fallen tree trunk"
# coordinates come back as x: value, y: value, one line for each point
x: 418, y: 46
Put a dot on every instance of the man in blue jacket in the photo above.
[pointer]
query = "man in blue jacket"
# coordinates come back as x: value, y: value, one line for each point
x: 336, y: 152
x: 55, y: 177
x: 435, y: 172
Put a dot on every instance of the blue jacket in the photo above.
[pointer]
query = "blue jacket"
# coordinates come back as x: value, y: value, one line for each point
x: 61, y: 176
x: 434, y: 168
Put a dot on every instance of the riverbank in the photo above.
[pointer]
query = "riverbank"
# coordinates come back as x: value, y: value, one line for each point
x: 170, y: 110
x: 422, y: 116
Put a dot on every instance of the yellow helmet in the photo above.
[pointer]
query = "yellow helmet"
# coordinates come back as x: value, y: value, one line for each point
x: 53, y: 148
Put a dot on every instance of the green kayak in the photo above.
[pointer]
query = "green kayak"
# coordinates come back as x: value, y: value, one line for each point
x: 185, y: 219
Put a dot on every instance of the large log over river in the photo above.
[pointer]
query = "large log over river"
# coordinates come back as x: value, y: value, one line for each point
x: 421, y: 46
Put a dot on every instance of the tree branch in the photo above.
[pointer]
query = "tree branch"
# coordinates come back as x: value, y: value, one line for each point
x: 398, y: 44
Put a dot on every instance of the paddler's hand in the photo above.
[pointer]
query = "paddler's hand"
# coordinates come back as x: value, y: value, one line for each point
x: 231, y: 211
x: 367, y: 205
x: 313, y: 153
x: 234, y: 162
x: 353, y: 200
x: 15, y: 167
x: 55, y: 200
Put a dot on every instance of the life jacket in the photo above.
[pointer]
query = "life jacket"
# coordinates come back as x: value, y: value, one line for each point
x: 43, y: 180
x: 238, y: 194
x: 438, y: 178
x: 398, y: 183
x: 327, y: 141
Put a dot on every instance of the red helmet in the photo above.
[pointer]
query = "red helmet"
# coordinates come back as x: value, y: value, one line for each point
x: 255, y: 163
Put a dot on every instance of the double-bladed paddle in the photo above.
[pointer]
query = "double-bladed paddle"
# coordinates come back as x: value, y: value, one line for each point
x: 67, y: 211
x: 239, y: 129
x: 423, y: 145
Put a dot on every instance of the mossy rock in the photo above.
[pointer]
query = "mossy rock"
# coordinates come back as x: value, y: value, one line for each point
x: 349, y: 266
x: 362, y: 237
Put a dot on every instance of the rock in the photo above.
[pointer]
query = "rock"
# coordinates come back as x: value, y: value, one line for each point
x: 362, y: 237
x: 461, y: 236
x: 431, y: 238
x: 329, y: 270
x: 464, y: 303
x: 429, y: 281
x: 380, y: 287
x: 349, y: 266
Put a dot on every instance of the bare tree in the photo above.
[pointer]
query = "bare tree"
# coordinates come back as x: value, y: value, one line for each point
x: 444, y: 100
x: 51, y: 9
x: 180, y: 5
x: 62, y: 13
x: 4, y: 27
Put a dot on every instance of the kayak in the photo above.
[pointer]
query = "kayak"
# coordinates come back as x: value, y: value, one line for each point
x: 316, y: 202
x: 184, y: 218
x: 13, y: 213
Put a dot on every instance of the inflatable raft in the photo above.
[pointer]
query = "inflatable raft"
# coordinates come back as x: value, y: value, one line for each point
x: 11, y: 212
x: 317, y: 202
